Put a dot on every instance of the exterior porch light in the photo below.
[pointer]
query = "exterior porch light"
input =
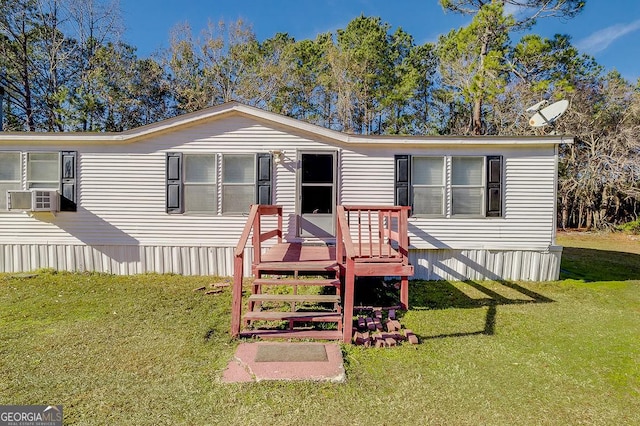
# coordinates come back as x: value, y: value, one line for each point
x: 278, y: 155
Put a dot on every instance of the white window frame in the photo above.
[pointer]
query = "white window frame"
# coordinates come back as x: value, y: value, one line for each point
x: 448, y: 187
x: 317, y: 219
x: 47, y: 184
x: 481, y: 186
x: 442, y: 185
x: 213, y: 183
x: 224, y: 185
x: 8, y: 185
x: 219, y: 186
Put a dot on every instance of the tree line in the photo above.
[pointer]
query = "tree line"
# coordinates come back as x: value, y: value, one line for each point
x: 64, y: 67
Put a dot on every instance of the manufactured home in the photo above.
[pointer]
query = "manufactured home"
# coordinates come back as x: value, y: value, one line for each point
x: 175, y: 196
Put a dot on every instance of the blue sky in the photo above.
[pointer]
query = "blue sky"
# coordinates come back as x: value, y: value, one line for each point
x: 609, y: 30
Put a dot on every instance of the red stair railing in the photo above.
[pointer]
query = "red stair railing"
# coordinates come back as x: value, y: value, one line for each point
x: 254, y: 224
x: 381, y: 248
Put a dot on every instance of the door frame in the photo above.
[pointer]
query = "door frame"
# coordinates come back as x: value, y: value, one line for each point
x: 334, y: 198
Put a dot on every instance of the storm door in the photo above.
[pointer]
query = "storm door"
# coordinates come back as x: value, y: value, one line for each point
x: 317, y: 194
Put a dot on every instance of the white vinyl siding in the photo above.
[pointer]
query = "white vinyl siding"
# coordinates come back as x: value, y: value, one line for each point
x: 365, y: 178
x: 114, y: 176
x: 529, y: 211
x: 122, y: 225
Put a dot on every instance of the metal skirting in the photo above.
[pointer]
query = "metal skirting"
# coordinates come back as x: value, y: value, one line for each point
x: 443, y: 264
x: 120, y: 260
x: 482, y: 264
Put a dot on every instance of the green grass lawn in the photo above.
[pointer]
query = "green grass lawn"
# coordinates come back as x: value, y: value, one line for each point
x: 148, y: 350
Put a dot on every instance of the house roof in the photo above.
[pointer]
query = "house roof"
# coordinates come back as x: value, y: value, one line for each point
x: 236, y: 108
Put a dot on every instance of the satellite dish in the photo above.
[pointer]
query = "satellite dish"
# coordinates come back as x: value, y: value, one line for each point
x: 549, y: 114
x: 537, y: 107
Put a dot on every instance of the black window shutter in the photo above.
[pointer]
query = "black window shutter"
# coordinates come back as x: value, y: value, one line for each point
x: 174, y: 182
x: 494, y: 186
x: 402, y: 180
x: 68, y: 181
x: 263, y: 178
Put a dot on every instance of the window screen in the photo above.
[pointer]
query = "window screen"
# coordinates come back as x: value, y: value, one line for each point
x: 43, y: 170
x: 9, y: 175
x: 200, y: 184
x: 467, y: 188
x: 428, y: 185
x: 238, y: 183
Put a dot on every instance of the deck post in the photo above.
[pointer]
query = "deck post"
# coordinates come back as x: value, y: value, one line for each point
x: 255, y: 240
x: 339, y: 240
x: 347, y: 314
x: 403, y: 234
x: 236, y: 299
x: 404, y: 292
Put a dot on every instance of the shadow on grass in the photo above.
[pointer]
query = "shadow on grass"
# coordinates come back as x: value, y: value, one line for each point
x: 432, y: 295
x: 599, y: 265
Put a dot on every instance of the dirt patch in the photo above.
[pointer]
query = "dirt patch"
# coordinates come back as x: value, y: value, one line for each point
x: 611, y: 241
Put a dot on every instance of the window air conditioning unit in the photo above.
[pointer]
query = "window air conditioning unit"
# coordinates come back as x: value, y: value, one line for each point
x: 19, y: 200
x: 44, y: 201
x: 36, y: 200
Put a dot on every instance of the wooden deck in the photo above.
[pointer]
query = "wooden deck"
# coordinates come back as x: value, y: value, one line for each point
x: 380, y: 248
x: 295, y: 252
x: 297, y: 257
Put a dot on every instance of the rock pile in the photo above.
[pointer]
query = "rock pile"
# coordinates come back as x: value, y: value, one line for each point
x: 370, y: 331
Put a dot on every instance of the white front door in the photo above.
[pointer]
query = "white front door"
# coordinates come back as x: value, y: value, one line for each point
x: 316, y: 194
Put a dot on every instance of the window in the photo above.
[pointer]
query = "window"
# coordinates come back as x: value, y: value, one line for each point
x: 428, y: 185
x: 9, y: 175
x: 217, y: 183
x: 467, y: 189
x: 455, y: 186
x: 238, y: 183
x: 317, y: 183
x: 44, y: 170
x: 200, y: 195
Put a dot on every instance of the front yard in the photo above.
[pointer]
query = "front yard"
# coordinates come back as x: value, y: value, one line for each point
x: 148, y: 349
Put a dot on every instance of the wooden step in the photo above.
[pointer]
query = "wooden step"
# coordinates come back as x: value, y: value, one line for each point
x: 291, y: 282
x: 382, y: 269
x: 293, y: 316
x: 307, y: 266
x: 315, y: 298
x: 293, y: 334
